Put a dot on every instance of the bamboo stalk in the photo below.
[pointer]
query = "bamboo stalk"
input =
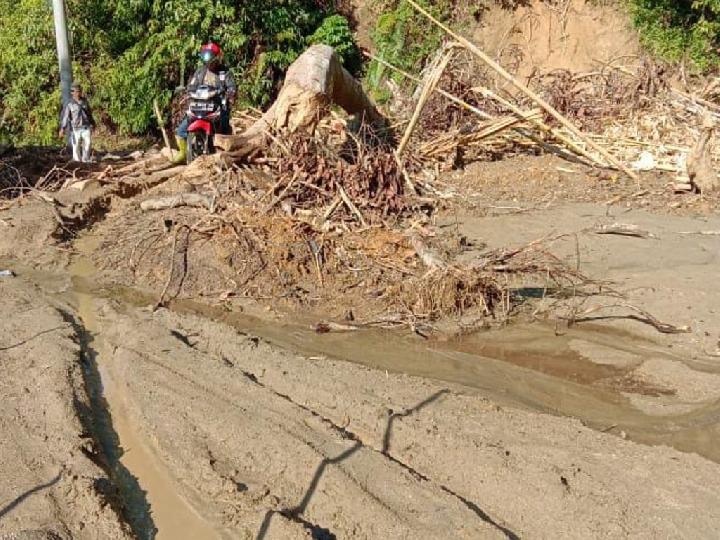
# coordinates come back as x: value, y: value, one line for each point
x: 503, y: 124
x: 161, y: 125
x: 432, y: 81
x: 527, y: 91
x: 447, y: 142
x: 465, y: 105
x: 456, y: 100
x: 572, y: 145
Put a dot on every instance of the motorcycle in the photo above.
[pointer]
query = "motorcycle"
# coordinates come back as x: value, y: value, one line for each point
x: 206, y: 105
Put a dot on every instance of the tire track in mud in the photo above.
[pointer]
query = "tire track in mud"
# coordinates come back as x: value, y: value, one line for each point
x: 151, y: 504
x: 123, y: 489
x: 290, y: 510
x: 347, y: 434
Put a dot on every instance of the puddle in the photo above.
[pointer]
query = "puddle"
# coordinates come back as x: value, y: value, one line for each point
x: 151, y: 503
x: 512, y: 372
x: 521, y: 366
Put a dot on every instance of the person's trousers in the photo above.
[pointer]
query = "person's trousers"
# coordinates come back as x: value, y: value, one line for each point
x: 81, y: 141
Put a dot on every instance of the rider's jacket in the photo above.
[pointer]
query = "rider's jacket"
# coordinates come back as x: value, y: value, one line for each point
x: 218, y: 77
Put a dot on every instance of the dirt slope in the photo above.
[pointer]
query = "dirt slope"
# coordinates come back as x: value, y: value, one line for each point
x: 573, y: 35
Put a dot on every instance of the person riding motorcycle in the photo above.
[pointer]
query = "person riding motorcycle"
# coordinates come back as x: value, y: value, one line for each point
x: 215, y: 74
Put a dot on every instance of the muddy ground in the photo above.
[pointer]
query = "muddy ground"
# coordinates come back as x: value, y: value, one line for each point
x: 199, y: 422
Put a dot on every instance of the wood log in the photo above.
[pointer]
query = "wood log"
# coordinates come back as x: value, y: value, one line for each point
x: 181, y: 199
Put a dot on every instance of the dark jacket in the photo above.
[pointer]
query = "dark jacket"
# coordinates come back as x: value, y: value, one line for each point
x: 212, y: 77
x: 77, y: 114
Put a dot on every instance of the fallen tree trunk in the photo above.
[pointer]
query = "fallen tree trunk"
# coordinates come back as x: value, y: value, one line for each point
x: 181, y: 199
x: 312, y: 83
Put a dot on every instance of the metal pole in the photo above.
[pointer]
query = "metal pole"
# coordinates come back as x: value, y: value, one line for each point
x: 63, y: 49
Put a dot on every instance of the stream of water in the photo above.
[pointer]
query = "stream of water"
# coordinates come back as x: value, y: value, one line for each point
x: 158, y: 513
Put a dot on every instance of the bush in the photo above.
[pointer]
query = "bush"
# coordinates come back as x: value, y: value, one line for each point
x: 28, y: 70
x: 405, y: 38
x: 680, y: 30
x: 335, y: 31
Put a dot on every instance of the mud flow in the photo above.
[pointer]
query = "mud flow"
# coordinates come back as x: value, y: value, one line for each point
x: 499, y: 322
x: 182, y: 433
x: 152, y: 505
x: 568, y: 372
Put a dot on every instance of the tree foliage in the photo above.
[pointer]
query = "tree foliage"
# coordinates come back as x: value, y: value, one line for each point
x: 405, y: 38
x: 127, y: 52
x: 680, y: 29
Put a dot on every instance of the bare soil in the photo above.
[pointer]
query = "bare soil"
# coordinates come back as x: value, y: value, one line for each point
x: 225, y: 414
x: 541, y: 36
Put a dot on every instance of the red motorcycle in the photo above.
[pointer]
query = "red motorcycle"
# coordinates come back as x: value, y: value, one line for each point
x: 205, y: 110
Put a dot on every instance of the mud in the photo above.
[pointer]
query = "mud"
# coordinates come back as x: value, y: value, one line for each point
x: 197, y: 421
x: 160, y: 512
x: 54, y: 477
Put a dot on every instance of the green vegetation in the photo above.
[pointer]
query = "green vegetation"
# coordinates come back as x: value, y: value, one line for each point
x: 675, y: 30
x: 127, y: 52
x: 404, y: 38
x: 679, y: 30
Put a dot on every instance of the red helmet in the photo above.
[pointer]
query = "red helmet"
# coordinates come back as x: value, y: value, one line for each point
x: 210, y: 52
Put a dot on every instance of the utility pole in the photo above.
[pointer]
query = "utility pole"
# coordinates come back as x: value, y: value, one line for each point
x: 63, y: 49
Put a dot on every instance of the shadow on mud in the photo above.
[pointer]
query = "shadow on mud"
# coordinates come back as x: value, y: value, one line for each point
x: 20, y: 498
x: 319, y: 533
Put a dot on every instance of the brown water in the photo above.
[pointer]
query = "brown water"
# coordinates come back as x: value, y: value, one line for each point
x: 170, y: 516
x: 511, y: 372
x: 526, y: 366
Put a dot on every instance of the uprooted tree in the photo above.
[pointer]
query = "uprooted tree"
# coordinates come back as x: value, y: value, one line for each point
x: 299, y: 210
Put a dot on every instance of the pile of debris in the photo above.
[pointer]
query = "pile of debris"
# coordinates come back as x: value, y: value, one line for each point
x: 633, y: 120
x: 314, y: 225
x: 322, y: 215
x: 30, y: 168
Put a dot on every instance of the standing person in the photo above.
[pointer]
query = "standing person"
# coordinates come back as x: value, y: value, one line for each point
x: 78, y: 118
x: 212, y: 73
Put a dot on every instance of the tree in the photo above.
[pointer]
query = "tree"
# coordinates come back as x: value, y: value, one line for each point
x: 680, y: 30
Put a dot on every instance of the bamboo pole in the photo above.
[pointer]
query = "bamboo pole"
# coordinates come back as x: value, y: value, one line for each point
x: 457, y: 101
x: 527, y: 91
x: 540, y: 125
x: 480, y: 113
x: 432, y: 81
x: 161, y: 125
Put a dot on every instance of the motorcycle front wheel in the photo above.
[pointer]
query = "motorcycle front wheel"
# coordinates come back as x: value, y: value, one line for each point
x: 197, y: 145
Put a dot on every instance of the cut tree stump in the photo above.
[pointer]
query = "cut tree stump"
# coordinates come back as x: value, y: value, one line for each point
x: 699, y: 164
x: 313, y: 82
